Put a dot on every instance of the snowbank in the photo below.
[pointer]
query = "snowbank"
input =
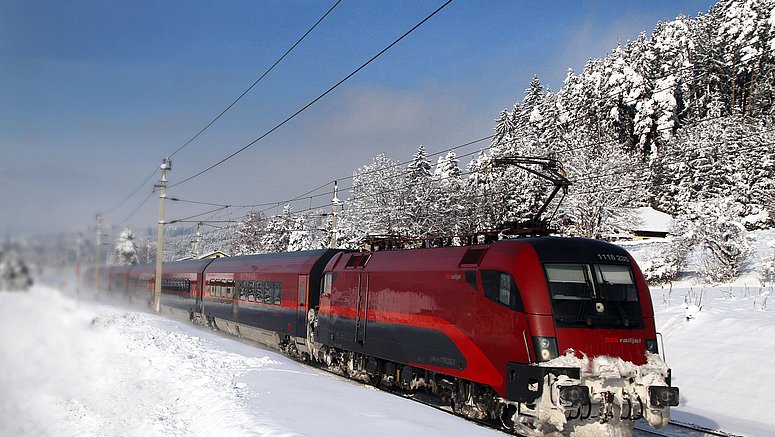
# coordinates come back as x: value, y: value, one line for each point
x: 96, y: 370
x: 720, y: 345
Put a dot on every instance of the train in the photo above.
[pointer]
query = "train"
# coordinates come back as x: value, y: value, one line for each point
x: 537, y: 334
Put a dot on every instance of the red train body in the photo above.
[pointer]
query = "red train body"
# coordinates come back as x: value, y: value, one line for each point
x: 486, y: 327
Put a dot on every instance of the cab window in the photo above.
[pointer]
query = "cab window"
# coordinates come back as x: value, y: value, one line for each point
x: 616, y: 282
x: 500, y: 287
x: 569, y: 281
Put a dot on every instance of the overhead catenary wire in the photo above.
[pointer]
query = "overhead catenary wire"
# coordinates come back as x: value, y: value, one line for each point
x: 321, y: 96
x: 134, y: 211
x: 257, y: 80
x: 565, y: 111
x: 139, y: 187
x: 641, y: 167
x: 280, y: 59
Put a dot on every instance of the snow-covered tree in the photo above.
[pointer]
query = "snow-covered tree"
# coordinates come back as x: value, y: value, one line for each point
x: 378, y: 198
x: 125, y: 251
x: 419, y: 194
x: 767, y: 266
x: 713, y: 225
x: 606, y: 185
x: 300, y: 236
x: 250, y: 233
x: 277, y: 233
x: 14, y: 273
x: 447, y: 207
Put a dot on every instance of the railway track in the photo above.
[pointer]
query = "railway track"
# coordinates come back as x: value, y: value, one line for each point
x: 679, y: 429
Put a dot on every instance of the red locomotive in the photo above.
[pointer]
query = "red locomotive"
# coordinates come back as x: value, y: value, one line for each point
x: 543, y: 333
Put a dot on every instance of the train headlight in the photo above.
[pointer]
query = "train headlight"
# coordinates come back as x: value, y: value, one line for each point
x: 662, y: 396
x: 545, y: 348
x: 651, y: 346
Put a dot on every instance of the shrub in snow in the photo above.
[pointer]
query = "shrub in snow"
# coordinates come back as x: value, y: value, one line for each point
x: 767, y: 270
x: 713, y: 225
x: 663, y: 269
x: 14, y: 274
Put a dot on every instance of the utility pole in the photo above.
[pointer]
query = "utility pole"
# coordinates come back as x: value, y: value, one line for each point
x: 166, y: 165
x: 198, y: 245
x: 78, y: 269
x: 97, y: 257
x: 335, y: 202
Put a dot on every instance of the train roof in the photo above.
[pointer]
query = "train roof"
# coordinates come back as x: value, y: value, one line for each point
x: 186, y: 266
x: 283, y: 262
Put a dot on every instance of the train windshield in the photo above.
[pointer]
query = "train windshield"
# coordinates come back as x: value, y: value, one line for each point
x: 593, y: 294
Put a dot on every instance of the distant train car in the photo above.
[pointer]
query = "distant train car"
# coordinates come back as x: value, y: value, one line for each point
x: 140, y: 281
x: 116, y: 278
x: 272, y: 292
x: 182, y: 283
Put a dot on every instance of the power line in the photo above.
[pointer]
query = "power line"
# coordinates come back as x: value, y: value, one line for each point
x: 136, y: 209
x: 230, y: 105
x: 257, y: 80
x: 305, y: 107
x: 130, y: 195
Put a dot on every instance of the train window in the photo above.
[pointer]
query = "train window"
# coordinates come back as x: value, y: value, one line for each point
x: 277, y: 291
x: 500, y: 287
x: 616, y: 282
x: 327, y: 280
x: 570, y: 281
x: 472, y: 257
x: 471, y: 278
x: 267, y: 292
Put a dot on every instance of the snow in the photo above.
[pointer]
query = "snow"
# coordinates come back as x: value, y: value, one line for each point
x: 719, y: 341
x: 92, y: 369
x: 653, y: 220
x: 721, y: 355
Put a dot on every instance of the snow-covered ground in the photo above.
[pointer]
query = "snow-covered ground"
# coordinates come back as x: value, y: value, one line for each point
x: 720, y: 342
x: 92, y: 369
x: 95, y: 370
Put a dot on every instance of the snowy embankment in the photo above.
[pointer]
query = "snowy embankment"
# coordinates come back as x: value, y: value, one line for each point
x: 720, y: 342
x: 722, y: 352
x: 94, y: 370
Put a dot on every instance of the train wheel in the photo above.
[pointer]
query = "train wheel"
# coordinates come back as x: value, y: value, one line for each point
x: 507, y: 416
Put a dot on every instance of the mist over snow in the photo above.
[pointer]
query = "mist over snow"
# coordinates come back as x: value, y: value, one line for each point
x: 90, y: 369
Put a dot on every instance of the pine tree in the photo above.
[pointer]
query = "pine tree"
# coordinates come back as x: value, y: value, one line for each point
x: 419, y: 195
x: 378, y: 198
x: 250, y: 233
x: 125, y: 251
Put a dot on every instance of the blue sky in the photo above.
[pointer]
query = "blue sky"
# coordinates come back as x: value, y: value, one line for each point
x: 96, y: 93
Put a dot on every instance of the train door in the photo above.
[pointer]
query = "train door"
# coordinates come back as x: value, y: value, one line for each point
x: 303, y: 306
x: 362, y: 308
x: 199, y: 305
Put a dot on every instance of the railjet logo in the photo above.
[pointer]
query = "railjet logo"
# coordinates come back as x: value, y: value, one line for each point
x: 623, y: 340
